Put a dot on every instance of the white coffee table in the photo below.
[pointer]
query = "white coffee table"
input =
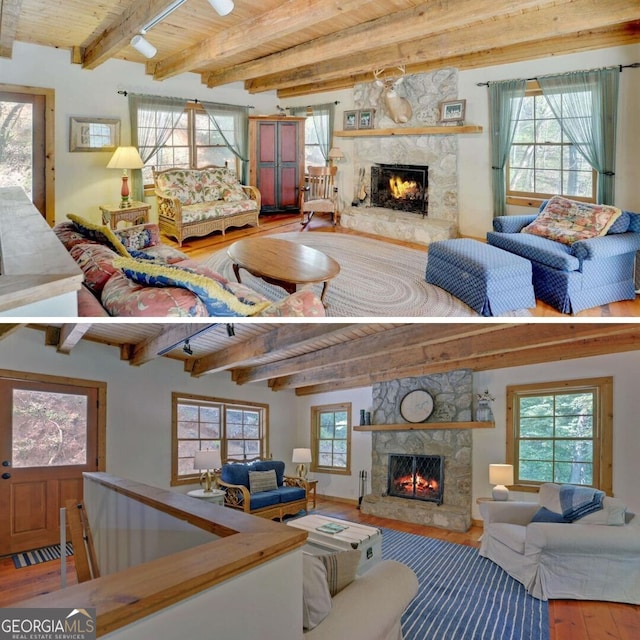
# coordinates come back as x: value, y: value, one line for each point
x: 353, y: 536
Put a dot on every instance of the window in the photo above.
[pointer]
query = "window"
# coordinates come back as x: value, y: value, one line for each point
x: 194, y: 141
x: 313, y: 128
x: 238, y: 430
x: 331, y: 438
x: 560, y: 432
x: 543, y: 162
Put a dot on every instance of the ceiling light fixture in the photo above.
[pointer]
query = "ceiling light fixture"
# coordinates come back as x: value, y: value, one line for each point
x: 223, y: 7
x: 187, y: 348
x: 143, y: 46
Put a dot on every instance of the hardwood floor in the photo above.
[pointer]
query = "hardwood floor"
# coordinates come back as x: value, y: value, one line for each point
x: 569, y: 619
x: 201, y: 248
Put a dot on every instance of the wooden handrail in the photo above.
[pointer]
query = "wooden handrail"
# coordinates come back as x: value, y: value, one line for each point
x: 124, y: 597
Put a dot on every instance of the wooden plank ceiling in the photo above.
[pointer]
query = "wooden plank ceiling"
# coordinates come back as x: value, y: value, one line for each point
x: 307, y: 46
x: 317, y: 357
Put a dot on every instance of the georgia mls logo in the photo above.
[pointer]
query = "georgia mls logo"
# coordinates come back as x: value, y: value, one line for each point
x: 47, y: 624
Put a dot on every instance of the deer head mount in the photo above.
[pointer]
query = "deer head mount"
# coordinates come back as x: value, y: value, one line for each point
x: 398, y: 108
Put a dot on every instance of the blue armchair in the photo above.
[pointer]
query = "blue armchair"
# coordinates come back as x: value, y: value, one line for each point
x: 570, y: 278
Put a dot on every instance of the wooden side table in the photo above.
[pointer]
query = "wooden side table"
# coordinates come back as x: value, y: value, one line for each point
x: 137, y: 213
x: 311, y: 494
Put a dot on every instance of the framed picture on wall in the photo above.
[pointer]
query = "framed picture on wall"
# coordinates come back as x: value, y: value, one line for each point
x: 350, y: 120
x: 94, y: 134
x: 366, y: 118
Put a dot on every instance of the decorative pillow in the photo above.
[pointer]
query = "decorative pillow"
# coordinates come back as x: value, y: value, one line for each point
x: 233, y: 193
x: 96, y: 262
x: 67, y: 234
x: 316, y: 599
x: 139, y: 236
x: 568, y: 221
x: 262, y: 481
x: 99, y: 233
x: 613, y: 513
x: 341, y: 569
x: 217, y: 298
x: 212, y: 193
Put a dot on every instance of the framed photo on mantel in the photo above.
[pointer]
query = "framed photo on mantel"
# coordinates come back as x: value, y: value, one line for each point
x: 452, y: 111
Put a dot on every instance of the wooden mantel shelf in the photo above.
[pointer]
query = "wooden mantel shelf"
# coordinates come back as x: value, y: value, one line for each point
x: 422, y: 426
x: 410, y: 131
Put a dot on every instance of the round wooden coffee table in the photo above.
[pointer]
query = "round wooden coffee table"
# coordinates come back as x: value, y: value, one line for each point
x: 283, y: 263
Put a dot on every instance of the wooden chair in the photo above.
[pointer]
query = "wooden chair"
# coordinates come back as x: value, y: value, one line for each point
x: 320, y: 194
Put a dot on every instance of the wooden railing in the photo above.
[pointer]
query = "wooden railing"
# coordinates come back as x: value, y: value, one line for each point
x: 246, y: 543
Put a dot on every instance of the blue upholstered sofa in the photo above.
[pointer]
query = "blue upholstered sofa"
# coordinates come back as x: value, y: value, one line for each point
x: 586, y: 274
x: 286, y: 496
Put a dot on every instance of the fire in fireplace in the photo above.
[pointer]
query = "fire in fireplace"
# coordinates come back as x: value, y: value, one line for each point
x: 416, y: 477
x: 400, y: 186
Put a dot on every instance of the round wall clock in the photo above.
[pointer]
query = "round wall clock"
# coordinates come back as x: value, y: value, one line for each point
x: 416, y: 406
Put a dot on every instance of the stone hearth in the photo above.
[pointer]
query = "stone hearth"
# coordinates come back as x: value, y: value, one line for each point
x: 452, y: 393
x: 399, y: 225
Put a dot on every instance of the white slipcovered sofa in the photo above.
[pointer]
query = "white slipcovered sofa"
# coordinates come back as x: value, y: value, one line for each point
x: 594, y: 558
x: 370, y: 608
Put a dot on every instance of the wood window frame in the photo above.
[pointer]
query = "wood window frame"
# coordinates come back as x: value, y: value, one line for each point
x: 532, y: 199
x: 315, y: 432
x: 224, y: 403
x: 603, y: 427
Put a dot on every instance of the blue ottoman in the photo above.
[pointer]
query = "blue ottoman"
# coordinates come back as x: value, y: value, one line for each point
x: 490, y: 280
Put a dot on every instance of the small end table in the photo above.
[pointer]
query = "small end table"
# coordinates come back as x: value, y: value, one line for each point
x: 312, y: 484
x: 215, y: 495
x: 137, y: 213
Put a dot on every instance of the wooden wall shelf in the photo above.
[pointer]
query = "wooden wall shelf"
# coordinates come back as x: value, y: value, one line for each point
x: 410, y: 131
x: 423, y: 426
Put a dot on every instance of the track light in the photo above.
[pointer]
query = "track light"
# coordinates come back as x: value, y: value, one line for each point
x: 223, y: 7
x: 187, y: 348
x: 231, y: 330
x: 143, y: 46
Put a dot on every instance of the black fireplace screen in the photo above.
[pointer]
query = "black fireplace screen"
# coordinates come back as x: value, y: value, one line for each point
x: 400, y: 186
x: 416, y: 477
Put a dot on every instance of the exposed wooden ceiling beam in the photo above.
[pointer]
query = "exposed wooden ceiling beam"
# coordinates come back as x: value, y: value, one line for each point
x: 118, y: 34
x: 70, y: 335
x: 418, y: 22
x: 553, y: 21
x: 7, y: 328
x: 456, y: 353
x: 9, y: 13
x: 618, y: 35
x: 628, y: 340
x: 285, y: 19
x: 286, y: 337
x: 399, y: 339
x: 169, y: 337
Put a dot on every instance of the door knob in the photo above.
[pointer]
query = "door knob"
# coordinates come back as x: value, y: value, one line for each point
x: 6, y: 463
x: 6, y: 476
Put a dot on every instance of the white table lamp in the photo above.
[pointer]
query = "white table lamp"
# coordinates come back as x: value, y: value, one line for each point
x: 500, y: 475
x: 207, y: 461
x: 301, y: 457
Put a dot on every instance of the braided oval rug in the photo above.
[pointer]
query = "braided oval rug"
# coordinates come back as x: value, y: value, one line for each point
x: 376, y: 279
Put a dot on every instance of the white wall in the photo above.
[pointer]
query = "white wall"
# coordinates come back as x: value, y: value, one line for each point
x: 83, y: 182
x: 139, y: 401
x: 474, y: 161
x: 338, y: 485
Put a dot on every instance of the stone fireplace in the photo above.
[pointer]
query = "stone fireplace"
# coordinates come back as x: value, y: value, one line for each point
x: 437, y: 152
x: 452, y: 393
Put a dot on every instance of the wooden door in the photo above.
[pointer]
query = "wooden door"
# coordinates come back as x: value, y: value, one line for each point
x: 289, y: 162
x: 267, y: 152
x: 48, y: 438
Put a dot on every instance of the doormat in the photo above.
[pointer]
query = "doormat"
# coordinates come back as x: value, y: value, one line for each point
x: 29, y: 558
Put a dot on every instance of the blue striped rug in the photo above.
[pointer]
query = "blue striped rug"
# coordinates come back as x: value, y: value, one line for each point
x: 463, y: 596
x: 37, y: 556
